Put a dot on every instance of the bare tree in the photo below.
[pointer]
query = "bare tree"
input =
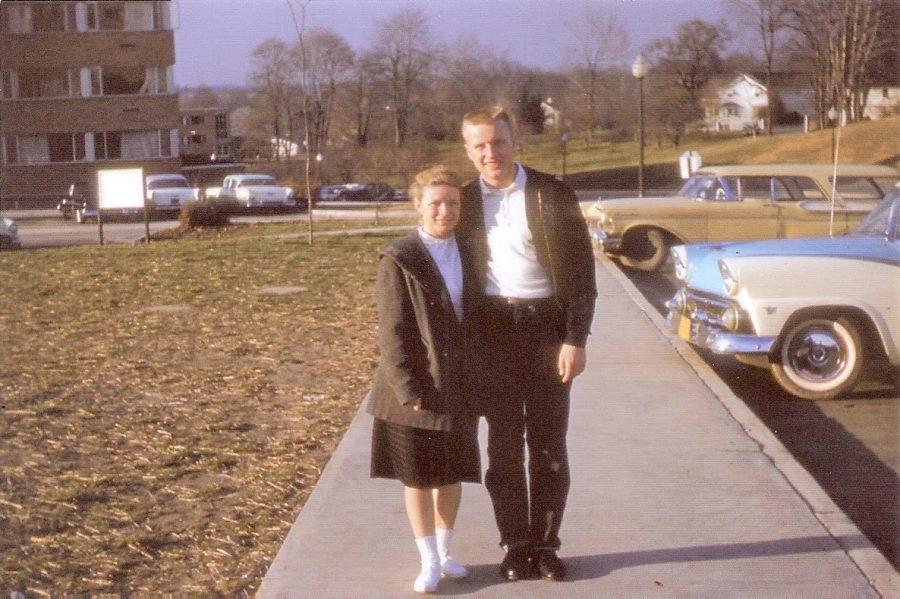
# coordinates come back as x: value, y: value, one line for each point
x: 692, y: 57
x: 270, y: 72
x: 405, y: 55
x: 601, y: 43
x: 768, y: 17
x: 840, y: 40
x: 321, y: 64
x: 365, y: 97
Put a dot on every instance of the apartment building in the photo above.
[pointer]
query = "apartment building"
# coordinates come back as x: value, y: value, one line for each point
x: 205, y: 135
x: 85, y: 86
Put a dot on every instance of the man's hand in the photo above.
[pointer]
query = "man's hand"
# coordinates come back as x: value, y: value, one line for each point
x: 571, y: 362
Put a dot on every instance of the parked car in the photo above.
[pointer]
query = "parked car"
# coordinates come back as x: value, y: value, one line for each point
x: 73, y: 203
x: 330, y: 193
x: 738, y: 203
x: 816, y: 312
x: 366, y: 192
x: 9, y: 234
x: 253, y: 190
x: 168, y: 193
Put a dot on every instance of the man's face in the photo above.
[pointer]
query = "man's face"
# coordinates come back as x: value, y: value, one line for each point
x: 491, y: 148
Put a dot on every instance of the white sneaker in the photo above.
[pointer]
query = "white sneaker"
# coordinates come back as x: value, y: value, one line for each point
x: 428, y: 578
x: 450, y: 568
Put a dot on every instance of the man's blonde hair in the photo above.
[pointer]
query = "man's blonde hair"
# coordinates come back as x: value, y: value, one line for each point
x: 436, y: 175
x: 488, y: 116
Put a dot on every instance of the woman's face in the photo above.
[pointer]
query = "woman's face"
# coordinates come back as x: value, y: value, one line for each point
x: 439, y: 208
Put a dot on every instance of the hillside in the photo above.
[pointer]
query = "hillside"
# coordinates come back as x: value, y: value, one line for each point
x: 871, y: 142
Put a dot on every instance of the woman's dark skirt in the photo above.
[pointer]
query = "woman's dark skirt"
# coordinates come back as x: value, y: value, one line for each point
x: 425, y: 459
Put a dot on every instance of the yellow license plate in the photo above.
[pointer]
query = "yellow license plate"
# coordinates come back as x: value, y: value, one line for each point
x: 684, y: 328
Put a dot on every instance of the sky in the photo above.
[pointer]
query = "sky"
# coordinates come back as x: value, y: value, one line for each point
x: 215, y: 38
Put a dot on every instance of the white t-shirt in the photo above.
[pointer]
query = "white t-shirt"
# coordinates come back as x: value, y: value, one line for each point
x: 513, y: 267
x: 445, y: 253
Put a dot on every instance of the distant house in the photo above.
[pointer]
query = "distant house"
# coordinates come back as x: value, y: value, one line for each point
x: 737, y: 104
x: 742, y: 102
x: 552, y: 115
x: 882, y: 101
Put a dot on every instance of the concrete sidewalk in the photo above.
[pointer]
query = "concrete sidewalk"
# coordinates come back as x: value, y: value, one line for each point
x: 677, y: 491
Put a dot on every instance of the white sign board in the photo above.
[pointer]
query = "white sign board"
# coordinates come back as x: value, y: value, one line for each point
x: 121, y: 188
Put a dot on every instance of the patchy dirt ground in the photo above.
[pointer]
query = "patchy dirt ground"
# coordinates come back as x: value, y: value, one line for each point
x: 167, y: 409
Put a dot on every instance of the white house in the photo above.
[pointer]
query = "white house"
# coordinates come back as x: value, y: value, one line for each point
x: 740, y: 103
x: 882, y: 101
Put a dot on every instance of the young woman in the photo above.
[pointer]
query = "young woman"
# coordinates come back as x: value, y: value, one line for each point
x: 425, y: 433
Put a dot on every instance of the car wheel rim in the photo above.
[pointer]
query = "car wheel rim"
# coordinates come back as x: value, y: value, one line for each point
x: 818, y: 356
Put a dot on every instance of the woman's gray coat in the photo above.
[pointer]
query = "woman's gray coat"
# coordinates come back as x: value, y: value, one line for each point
x: 420, y: 339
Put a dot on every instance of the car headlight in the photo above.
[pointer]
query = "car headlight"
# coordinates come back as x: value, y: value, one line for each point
x: 729, y: 279
x: 731, y: 318
x: 605, y: 221
x: 679, y: 260
x: 678, y: 302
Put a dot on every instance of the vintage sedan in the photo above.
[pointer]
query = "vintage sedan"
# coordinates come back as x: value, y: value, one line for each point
x: 251, y: 190
x: 739, y: 203
x: 817, y: 312
x: 9, y: 234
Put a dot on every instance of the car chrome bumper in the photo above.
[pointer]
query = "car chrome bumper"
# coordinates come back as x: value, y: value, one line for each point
x: 603, y: 242
x: 697, y: 331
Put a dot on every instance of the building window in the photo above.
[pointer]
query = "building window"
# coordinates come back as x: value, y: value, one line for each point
x: 43, y: 83
x: 197, y: 119
x: 131, y: 145
x: 48, y: 16
x: 118, y: 81
x: 193, y: 138
x: 45, y: 149
x: 221, y: 125
x: 129, y: 16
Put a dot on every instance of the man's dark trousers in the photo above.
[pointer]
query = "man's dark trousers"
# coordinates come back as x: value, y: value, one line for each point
x: 527, y: 402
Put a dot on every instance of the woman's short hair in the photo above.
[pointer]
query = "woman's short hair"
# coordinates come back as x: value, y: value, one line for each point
x: 488, y: 116
x: 436, y: 175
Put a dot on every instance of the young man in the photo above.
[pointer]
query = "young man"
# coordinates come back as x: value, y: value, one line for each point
x: 535, y: 267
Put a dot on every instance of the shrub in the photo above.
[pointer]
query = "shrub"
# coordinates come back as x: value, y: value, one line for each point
x: 204, y: 213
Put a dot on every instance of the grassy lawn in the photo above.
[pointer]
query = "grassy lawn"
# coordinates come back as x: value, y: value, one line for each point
x: 167, y: 408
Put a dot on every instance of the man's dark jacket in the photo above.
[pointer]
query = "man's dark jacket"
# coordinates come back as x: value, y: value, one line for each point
x: 561, y: 241
x: 421, y: 342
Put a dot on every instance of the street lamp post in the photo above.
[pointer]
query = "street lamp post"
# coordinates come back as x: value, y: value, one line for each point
x: 832, y: 115
x: 639, y: 70
x: 564, y: 140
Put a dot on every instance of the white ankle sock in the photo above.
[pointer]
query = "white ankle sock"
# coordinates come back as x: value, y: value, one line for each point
x: 444, y: 536
x: 430, y: 575
x: 450, y: 568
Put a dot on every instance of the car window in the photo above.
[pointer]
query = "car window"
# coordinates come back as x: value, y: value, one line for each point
x: 857, y: 188
x: 259, y: 181
x: 810, y: 189
x: 885, y: 184
x: 876, y: 222
x: 756, y: 188
x: 695, y: 186
x: 725, y: 189
x: 167, y: 183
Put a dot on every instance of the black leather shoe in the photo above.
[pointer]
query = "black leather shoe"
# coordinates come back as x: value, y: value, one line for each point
x: 549, y: 566
x: 517, y: 564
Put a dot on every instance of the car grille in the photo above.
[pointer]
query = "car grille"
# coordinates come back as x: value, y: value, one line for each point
x: 710, y: 309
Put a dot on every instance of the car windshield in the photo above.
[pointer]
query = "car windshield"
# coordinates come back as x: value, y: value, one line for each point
x: 709, y: 187
x: 695, y: 186
x: 167, y: 183
x: 877, y: 221
x: 258, y: 182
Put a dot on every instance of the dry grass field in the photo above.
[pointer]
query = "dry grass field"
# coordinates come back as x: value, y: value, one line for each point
x: 167, y: 408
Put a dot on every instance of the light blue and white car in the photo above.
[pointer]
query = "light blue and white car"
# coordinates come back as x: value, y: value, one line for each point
x: 817, y: 312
